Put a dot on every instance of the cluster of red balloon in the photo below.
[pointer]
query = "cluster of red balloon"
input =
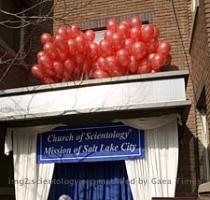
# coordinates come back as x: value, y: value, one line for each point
x: 130, y: 48
x: 126, y: 48
x: 67, y: 56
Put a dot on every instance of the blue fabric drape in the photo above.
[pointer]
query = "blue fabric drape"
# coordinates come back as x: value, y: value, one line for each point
x: 91, y: 181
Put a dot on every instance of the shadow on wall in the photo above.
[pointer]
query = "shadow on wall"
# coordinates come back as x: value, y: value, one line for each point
x: 187, y: 177
x: 169, y: 68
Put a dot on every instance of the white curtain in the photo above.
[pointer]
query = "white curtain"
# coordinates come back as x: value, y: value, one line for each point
x: 32, y: 180
x: 160, y: 163
x: 155, y: 175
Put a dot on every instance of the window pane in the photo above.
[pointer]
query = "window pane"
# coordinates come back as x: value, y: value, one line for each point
x: 99, y: 35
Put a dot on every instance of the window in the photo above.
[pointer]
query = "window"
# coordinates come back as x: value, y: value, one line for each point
x: 99, y: 35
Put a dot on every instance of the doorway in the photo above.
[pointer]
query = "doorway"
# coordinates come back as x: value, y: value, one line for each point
x: 91, y: 181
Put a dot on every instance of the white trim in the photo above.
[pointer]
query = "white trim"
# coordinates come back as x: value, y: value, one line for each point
x: 194, y: 16
x: 95, y: 157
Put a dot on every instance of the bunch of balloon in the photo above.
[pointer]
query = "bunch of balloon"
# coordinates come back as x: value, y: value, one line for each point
x: 126, y: 48
x: 130, y: 48
x: 67, y: 56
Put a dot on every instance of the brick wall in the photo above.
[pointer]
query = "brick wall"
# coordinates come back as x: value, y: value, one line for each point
x: 201, y: 149
x: 200, y: 52
x: 93, y: 13
x: 207, y: 84
x: 87, y: 13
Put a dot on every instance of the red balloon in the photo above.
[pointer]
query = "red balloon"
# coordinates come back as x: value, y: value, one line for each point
x: 123, y: 30
x: 119, y: 71
x: 112, y: 25
x: 86, y: 66
x: 123, y: 57
x: 70, y: 33
x: 151, y: 56
x: 111, y: 64
x: 139, y: 50
x: 164, y: 47
x: 156, y: 32
x: 126, y: 23
x: 72, y: 47
x: 50, y: 49
x: 117, y: 41
x: 128, y: 44
x: 114, y: 68
x: 101, y: 62
x: 61, y: 43
x: 77, y: 73
x: 100, y: 74
x: 40, y: 53
x: 136, y: 22
x: 45, y: 62
x: 81, y: 43
x: 132, y: 67
x: 129, y: 47
x: 144, y: 66
x: 147, y: 32
x: 46, y: 37
x: 91, y: 73
x: 48, y: 72
x: 66, y: 77
x: 105, y: 48
x: 36, y: 71
x: 62, y: 32
x: 108, y: 35
x: 79, y: 59
x: 62, y: 55
x: 75, y: 29
x: 48, y: 80
x: 168, y: 60
x: 157, y: 70
x: 135, y: 33
x: 157, y: 61
x: 69, y: 66
x: 90, y: 35
x: 58, y: 68
x: 94, y: 51
x: 152, y: 46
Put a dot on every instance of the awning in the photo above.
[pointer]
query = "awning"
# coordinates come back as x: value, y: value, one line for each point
x: 136, y: 95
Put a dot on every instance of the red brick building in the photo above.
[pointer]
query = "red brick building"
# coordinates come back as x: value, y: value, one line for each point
x: 185, y: 24
x: 199, y: 51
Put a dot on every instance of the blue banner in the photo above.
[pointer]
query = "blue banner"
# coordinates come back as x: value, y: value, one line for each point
x: 106, y: 142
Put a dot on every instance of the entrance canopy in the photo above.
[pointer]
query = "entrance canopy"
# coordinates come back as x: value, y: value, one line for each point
x: 149, y: 102
x: 157, y: 92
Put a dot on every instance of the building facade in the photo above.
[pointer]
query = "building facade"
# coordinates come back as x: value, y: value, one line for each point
x: 199, y: 52
x: 185, y: 24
